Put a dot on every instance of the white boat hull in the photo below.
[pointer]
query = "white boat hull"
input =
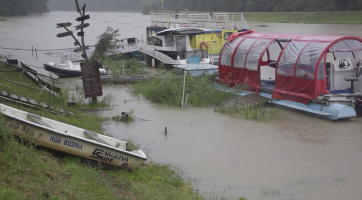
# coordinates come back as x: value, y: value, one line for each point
x: 62, y: 140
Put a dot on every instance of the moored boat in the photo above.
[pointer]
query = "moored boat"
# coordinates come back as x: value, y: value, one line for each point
x: 68, y: 69
x: 12, y: 61
x: 173, y: 38
x: 318, y: 75
x: 70, y: 139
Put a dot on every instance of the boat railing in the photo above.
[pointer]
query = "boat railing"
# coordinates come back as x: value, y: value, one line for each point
x: 200, y: 20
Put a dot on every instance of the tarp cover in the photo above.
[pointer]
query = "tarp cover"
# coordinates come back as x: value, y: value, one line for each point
x: 181, y: 31
x: 300, y: 61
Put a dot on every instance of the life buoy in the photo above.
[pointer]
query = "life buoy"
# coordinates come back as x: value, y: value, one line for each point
x: 205, y: 44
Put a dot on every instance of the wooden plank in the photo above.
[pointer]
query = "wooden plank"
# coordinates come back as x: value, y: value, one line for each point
x: 80, y: 26
x: 59, y: 35
x: 60, y: 25
x: 94, y: 136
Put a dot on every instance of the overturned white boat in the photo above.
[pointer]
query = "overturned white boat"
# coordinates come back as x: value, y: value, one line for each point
x: 70, y: 139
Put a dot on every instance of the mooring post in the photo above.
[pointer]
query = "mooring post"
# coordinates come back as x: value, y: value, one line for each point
x: 36, y: 52
x: 124, y: 73
x: 165, y: 130
x: 187, y: 96
x: 32, y: 50
x: 183, y: 91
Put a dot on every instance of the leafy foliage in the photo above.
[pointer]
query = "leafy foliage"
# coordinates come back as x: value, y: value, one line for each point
x: 146, y: 9
x: 264, y: 5
x: 22, y: 7
x: 107, y: 43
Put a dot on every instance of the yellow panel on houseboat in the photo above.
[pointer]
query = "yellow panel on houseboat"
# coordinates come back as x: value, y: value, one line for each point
x: 214, y: 41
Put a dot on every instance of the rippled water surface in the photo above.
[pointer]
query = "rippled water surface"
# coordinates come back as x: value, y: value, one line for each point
x: 293, y: 157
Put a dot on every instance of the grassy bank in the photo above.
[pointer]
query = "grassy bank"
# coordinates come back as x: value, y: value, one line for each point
x: 28, y: 172
x: 306, y: 17
x: 2, y: 18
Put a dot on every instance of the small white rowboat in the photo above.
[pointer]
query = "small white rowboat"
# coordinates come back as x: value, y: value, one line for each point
x: 70, y: 139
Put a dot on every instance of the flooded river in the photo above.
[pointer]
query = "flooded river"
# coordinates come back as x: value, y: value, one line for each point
x: 293, y: 157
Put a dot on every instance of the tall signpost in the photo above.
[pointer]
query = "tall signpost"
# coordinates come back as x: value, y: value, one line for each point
x: 90, y: 69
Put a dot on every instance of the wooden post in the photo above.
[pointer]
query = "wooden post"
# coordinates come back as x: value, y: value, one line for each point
x: 32, y: 50
x: 36, y: 52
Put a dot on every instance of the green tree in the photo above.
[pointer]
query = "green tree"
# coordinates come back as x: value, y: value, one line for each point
x: 146, y: 9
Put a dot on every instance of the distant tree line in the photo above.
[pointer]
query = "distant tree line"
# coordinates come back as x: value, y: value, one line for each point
x: 22, y: 7
x: 258, y: 5
x: 96, y: 4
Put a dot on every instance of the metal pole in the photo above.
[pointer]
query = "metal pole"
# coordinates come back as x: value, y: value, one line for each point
x: 124, y: 73
x: 183, y: 90
x: 187, y: 96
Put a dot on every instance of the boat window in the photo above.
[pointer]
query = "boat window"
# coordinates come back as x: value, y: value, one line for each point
x: 151, y: 41
x: 265, y: 57
x: 240, y: 55
x: 274, y: 51
x: 345, y: 49
x: 308, y: 59
x: 158, y: 42
x: 170, y: 41
x: 154, y: 41
x: 228, y: 51
x: 289, y: 58
x: 321, y: 69
x: 227, y: 34
x: 254, y: 54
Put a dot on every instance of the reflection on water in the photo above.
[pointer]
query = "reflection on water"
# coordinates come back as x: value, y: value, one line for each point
x: 293, y: 157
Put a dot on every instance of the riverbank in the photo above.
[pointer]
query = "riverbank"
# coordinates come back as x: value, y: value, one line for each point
x: 29, y: 172
x: 306, y: 17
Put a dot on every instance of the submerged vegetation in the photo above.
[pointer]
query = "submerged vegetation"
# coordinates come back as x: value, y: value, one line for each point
x: 168, y: 90
x: 200, y: 92
x: 125, y: 117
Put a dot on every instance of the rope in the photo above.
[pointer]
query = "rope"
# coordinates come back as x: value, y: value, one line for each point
x: 17, y: 49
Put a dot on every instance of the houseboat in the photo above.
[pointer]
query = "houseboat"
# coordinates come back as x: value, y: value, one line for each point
x: 318, y: 75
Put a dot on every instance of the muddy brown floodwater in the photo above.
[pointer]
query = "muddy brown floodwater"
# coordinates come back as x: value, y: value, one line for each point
x: 293, y: 157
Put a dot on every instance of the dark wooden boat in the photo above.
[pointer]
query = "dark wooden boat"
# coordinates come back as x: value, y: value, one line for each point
x: 41, y: 79
x: 12, y: 61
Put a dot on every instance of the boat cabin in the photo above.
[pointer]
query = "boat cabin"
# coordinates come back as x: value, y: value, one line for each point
x: 173, y: 47
x: 174, y: 42
x: 292, y: 67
